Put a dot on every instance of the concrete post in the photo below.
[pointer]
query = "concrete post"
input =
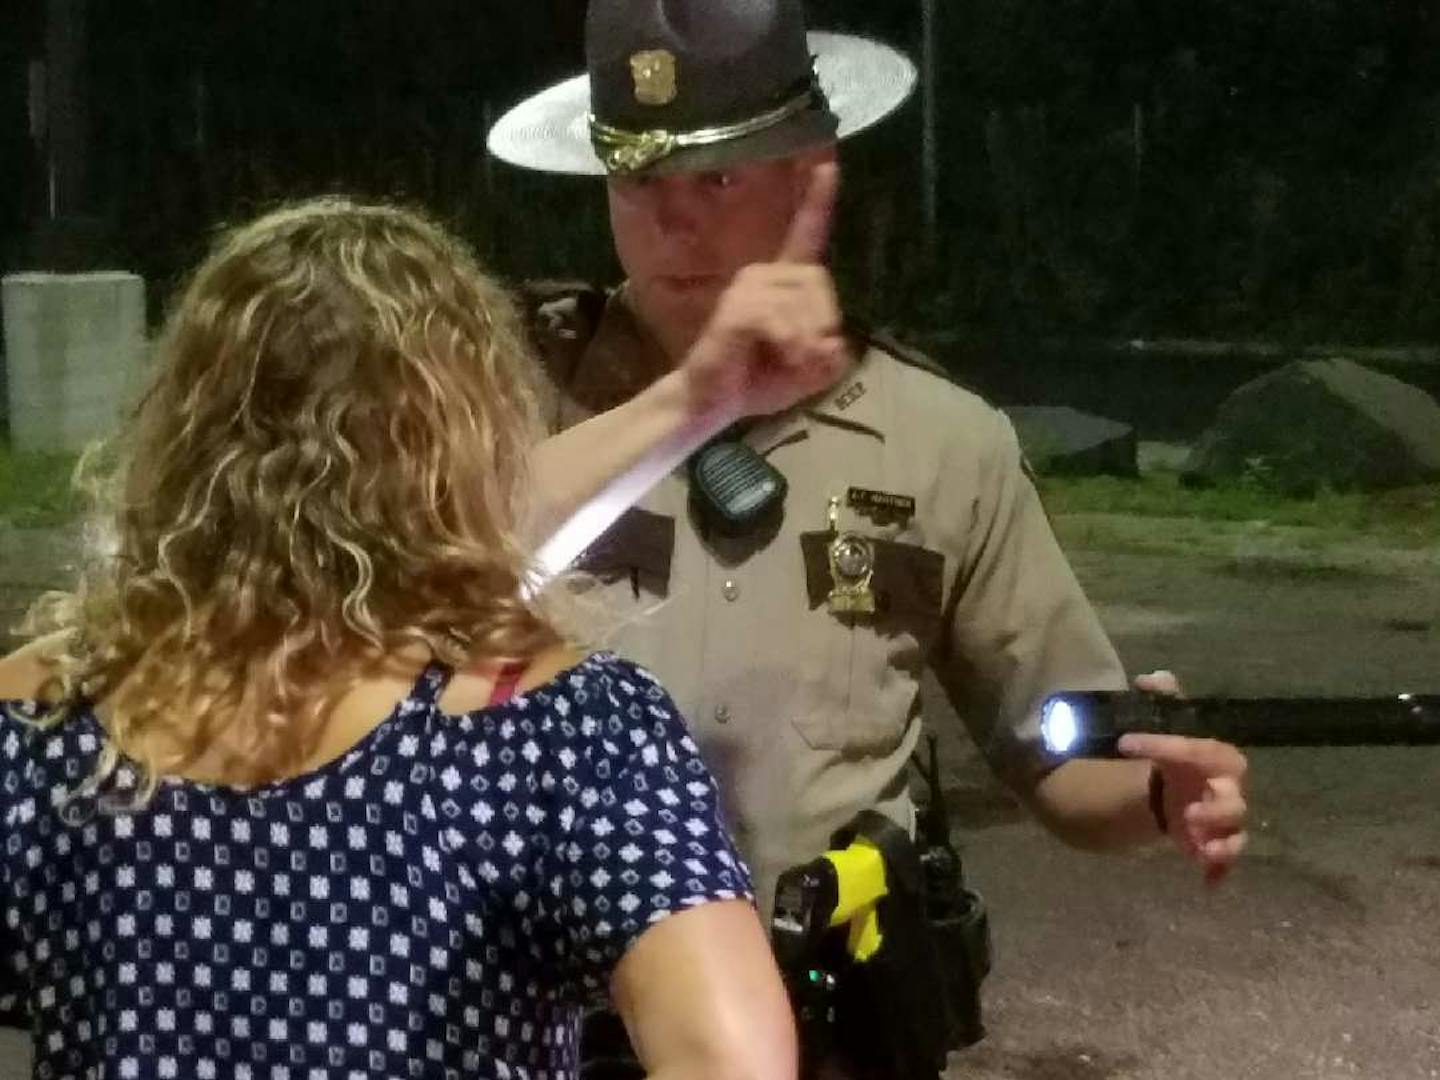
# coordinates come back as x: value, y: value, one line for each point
x: 75, y: 356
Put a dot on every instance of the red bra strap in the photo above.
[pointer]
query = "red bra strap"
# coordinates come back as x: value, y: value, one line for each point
x: 505, y: 683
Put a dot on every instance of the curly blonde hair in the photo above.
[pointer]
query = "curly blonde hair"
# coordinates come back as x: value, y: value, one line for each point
x: 328, y: 466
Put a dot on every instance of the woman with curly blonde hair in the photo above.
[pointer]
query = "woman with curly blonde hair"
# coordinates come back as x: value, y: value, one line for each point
x: 302, y: 780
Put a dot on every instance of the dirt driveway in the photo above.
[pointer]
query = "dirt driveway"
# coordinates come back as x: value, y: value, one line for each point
x: 1320, y: 960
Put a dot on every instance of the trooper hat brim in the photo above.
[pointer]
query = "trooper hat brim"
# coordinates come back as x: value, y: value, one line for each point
x: 863, y: 80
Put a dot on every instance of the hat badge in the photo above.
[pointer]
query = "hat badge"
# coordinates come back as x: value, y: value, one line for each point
x: 654, y: 73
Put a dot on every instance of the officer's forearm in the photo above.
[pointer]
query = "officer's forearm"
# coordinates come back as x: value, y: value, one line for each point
x: 572, y: 467
x: 1098, y: 805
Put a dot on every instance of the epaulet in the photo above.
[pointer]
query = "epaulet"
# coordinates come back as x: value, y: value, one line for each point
x: 915, y: 358
x: 906, y: 354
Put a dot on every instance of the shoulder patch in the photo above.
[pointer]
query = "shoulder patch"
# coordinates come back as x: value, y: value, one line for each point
x: 569, y: 310
x: 560, y: 319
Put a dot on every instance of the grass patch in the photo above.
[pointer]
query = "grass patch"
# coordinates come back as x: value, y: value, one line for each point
x: 1405, y: 517
x: 35, y: 489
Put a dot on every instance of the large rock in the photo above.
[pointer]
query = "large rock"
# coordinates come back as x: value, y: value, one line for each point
x: 1317, y: 423
x: 1059, y: 440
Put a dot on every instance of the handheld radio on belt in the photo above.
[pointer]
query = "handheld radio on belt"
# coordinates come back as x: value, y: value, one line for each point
x: 956, y: 915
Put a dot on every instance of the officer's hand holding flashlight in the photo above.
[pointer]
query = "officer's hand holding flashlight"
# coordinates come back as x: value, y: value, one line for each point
x: 1192, y: 746
x: 1203, y: 792
x: 1202, y: 786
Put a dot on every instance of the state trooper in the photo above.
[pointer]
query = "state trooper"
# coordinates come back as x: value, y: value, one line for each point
x: 888, y: 525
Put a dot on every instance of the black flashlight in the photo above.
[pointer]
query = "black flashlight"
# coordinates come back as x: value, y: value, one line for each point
x: 1089, y: 723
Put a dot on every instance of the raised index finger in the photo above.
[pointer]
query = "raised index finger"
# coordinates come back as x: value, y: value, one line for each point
x: 810, y: 227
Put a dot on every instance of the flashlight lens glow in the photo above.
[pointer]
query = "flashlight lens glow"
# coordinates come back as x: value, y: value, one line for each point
x: 1059, y: 726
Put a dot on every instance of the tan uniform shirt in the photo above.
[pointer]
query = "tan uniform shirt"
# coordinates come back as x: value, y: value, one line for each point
x: 807, y: 717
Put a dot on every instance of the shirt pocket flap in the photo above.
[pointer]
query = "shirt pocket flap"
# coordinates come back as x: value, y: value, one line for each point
x: 639, y: 540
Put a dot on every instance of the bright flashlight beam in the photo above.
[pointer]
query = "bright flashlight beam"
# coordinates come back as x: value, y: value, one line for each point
x: 1059, y: 726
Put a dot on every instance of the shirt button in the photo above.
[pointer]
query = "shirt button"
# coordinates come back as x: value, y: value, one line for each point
x: 730, y: 590
x: 722, y: 714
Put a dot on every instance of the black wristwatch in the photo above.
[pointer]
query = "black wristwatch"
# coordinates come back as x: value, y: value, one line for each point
x: 1157, y: 798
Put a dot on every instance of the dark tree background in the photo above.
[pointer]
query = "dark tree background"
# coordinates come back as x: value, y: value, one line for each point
x: 1114, y: 168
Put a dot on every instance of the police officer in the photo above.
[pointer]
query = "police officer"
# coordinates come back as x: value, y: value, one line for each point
x: 908, y: 534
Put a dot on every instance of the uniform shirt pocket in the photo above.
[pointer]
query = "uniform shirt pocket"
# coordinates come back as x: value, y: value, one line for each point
x: 864, y: 674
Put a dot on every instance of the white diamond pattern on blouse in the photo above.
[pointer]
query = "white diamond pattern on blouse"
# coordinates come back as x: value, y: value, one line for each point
x: 437, y: 902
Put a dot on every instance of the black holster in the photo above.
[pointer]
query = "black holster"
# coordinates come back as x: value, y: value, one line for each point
x: 898, y: 1014
x: 895, y: 1016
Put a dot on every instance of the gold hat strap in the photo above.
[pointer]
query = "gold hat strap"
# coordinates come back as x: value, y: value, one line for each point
x: 624, y: 151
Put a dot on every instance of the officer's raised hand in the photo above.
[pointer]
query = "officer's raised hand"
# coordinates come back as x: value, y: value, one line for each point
x: 775, y: 336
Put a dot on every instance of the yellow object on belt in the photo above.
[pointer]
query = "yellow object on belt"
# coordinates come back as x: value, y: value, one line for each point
x: 860, y: 874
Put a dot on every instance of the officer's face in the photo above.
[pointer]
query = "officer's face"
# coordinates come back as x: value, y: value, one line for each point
x: 682, y: 237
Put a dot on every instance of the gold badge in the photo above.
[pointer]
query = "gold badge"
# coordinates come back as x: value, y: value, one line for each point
x: 654, y: 73
x: 852, y: 565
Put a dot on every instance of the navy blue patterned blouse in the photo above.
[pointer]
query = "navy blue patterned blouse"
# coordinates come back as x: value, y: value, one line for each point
x: 439, y: 902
